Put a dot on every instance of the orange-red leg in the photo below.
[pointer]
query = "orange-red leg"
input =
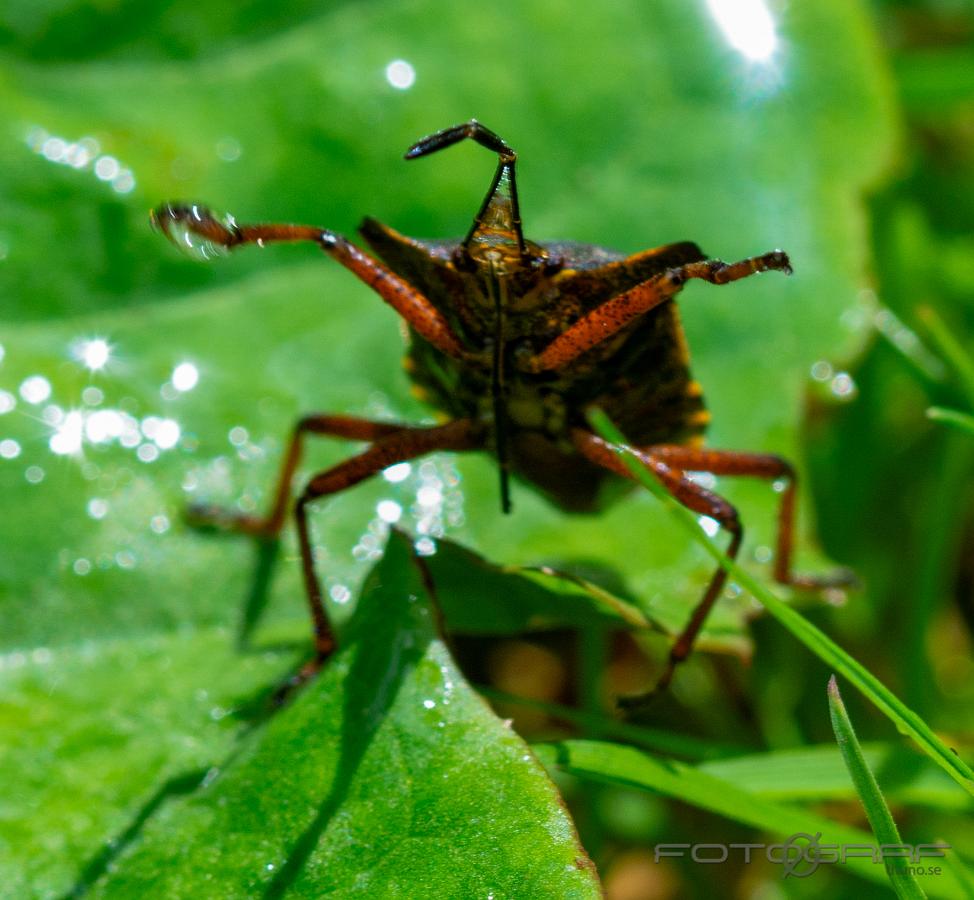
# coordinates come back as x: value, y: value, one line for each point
x: 270, y: 524
x: 399, y: 446
x: 669, y: 463
x: 613, y: 315
x: 410, y: 303
x: 757, y: 465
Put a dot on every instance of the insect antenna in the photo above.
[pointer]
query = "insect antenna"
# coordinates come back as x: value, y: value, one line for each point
x: 499, y: 213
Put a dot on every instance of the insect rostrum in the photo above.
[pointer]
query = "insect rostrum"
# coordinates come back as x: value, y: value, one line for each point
x: 514, y: 340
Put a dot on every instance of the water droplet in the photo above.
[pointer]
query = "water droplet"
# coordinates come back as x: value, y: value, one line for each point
x: 92, y: 396
x: 238, y: 436
x: 159, y: 524
x: 425, y: 546
x: 710, y: 526
x: 762, y: 554
x: 147, y: 453
x: 34, y: 474
x: 185, y: 376
x: 400, y: 74
x: 104, y: 425
x: 93, y: 354
x: 398, y: 472
x: 97, y: 508
x: 821, y: 370
x: 178, y: 226
x: 106, y: 168
x: 843, y: 386
x: 389, y: 511
x: 228, y: 149
x: 35, y: 389
x: 7, y: 402
x: 429, y: 704
x: 429, y: 495
x: 81, y: 566
x: 340, y: 594
x: 69, y: 435
x: 166, y: 434
x: 9, y: 449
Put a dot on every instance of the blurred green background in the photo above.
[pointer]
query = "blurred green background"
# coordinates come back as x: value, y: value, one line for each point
x: 133, y: 380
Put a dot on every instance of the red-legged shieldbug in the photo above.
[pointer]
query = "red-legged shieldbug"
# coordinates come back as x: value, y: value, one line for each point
x: 514, y: 341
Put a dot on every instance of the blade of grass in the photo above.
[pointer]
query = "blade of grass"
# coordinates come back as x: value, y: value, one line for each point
x: 953, y: 417
x: 906, y: 721
x: 877, y: 812
x: 817, y: 773
x: 950, y: 349
x: 926, y: 367
x: 800, y: 828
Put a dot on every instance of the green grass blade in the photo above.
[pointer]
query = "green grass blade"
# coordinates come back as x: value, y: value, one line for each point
x: 816, y: 773
x: 632, y: 768
x: 905, y: 720
x: 880, y: 818
x: 950, y: 349
x: 952, y: 417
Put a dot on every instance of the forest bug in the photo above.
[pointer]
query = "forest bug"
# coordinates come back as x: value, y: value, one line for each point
x: 514, y: 340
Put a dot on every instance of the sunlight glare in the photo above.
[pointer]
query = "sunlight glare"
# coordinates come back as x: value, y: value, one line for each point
x: 747, y: 25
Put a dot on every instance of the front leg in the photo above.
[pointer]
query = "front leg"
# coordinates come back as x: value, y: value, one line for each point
x: 424, y: 318
x: 617, y: 312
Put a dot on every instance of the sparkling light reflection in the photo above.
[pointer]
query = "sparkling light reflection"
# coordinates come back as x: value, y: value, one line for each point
x: 185, y: 377
x: 82, y: 154
x: 94, y: 353
x: 400, y: 74
x: 35, y: 389
x: 748, y: 27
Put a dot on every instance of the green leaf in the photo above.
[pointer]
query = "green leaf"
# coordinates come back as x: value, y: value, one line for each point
x: 410, y: 786
x: 478, y: 597
x: 880, y: 818
x: 98, y: 737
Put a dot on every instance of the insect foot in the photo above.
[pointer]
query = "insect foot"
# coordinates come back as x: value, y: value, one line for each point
x: 195, y: 230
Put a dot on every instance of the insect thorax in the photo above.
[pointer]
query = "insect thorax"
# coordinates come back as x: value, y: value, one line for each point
x: 640, y: 376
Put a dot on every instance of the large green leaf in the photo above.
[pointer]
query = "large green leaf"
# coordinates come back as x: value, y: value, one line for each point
x: 409, y: 785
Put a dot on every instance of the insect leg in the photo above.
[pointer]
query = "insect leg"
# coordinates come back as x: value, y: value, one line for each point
x: 269, y: 525
x: 694, y: 497
x: 411, y: 304
x: 402, y: 445
x: 617, y: 312
x: 757, y: 465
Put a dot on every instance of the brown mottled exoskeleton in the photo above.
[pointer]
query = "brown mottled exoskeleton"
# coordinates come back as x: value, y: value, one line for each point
x: 514, y: 340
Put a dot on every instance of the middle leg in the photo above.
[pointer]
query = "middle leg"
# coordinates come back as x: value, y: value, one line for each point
x: 400, y: 446
x: 269, y: 525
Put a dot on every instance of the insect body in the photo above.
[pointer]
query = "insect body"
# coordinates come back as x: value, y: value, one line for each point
x: 514, y: 341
